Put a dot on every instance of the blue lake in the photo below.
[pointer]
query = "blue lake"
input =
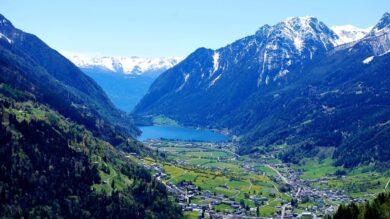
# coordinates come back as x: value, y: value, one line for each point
x: 180, y: 133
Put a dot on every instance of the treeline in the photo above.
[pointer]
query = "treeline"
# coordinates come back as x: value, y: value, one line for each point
x: 379, y: 208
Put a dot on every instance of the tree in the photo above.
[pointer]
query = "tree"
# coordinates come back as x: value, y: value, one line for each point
x: 294, y: 203
x: 242, y: 203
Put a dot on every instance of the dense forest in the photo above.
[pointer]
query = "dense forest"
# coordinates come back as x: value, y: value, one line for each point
x: 64, y: 147
x: 54, y: 168
x: 379, y: 208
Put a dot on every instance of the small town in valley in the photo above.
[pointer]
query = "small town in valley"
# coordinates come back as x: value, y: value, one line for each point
x: 209, y: 180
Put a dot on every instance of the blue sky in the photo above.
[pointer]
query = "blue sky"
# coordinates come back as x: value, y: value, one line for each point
x: 149, y: 28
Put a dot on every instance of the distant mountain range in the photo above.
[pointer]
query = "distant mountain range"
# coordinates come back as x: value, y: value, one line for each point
x: 296, y: 82
x: 125, y: 79
x: 349, y: 33
x: 124, y: 65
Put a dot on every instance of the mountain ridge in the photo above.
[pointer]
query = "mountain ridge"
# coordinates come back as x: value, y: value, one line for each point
x: 31, y: 65
x: 123, y: 65
x: 292, y: 80
x: 349, y: 33
x: 260, y: 61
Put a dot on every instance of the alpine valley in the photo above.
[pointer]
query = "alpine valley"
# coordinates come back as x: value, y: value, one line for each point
x: 306, y: 105
x: 296, y: 119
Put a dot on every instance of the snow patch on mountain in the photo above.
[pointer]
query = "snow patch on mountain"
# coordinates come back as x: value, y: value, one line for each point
x: 185, y: 77
x: 368, y: 60
x: 281, y: 74
x: 124, y: 65
x: 298, y: 42
x: 349, y: 33
x: 215, y: 62
x: 215, y: 80
x: 2, y: 36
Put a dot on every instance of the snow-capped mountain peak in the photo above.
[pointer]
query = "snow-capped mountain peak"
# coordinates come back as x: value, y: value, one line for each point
x: 301, y: 29
x: 383, y: 24
x: 378, y: 39
x: 292, y: 41
x: 349, y: 33
x: 302, y: 22
x: 123, y: 65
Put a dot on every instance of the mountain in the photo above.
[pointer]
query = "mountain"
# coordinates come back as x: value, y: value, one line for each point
x: 59, y: 142
x: 209, y: 84
x: 30, y: 65
x: 339, y: 102
x: 124, y: 65
x: 125, y: 79
x: 269, y: 89
x: 349, y: 33
x: 52, y: 167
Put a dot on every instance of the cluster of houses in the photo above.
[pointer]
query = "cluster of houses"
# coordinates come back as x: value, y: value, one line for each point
x: 185, y: 192
x: 321, y: 197
x: 299, y: 189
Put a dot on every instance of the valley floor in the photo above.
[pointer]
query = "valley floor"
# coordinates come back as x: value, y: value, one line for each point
x: 210, y: 179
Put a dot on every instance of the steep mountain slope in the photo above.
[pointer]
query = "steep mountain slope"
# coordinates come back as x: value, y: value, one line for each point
x: 29, y: 64
x: 337, y: 97
x: 54, y: 168
x: 57, y: 136
x: 209, y: 84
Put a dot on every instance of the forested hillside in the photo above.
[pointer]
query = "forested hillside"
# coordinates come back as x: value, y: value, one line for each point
x: 64, y: 147
x: 54, y: 168
x: 379, y: 208
x: 28, y: 64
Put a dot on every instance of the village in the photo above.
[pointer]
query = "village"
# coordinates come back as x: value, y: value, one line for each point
x: 321, y: 202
